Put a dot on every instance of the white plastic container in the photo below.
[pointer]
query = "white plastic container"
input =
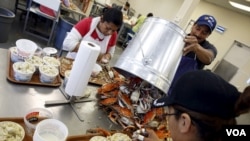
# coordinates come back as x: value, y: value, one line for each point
x: 50, y: 130
x: 52, y: 61
x: 35, y: 60
x: 48, y: 73
x: 23, y: 71
x: 14, y: 55
x: 49, y: 51
x: 26, y: 48
x: 34, y: 116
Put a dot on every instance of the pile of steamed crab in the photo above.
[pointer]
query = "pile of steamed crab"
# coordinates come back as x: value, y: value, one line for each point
x: 128, y: 101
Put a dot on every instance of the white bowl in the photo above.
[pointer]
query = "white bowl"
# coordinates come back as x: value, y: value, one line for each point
x: 23, y: 71
x: 48, y: 73
x: 14, y: 55
x: 52, y: 61
x: 34, y: 116
x: 26, y: 48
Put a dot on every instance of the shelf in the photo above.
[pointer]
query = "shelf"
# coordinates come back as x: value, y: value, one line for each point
x: 20, y: 5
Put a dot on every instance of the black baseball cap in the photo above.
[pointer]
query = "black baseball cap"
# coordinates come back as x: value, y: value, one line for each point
x: 204, y: 92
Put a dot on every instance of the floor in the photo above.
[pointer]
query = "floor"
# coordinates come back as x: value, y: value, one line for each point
x: 16, y: 33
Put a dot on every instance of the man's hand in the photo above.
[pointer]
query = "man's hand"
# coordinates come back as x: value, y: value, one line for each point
x: 206, y: 56
x: 104, y: 58
x: 191, y: 45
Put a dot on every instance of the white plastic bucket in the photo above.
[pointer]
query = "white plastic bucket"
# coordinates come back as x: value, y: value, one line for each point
x: 48, y: 73
x: 50, y: 130
x: 23, y: 71
x: 34, y: 116
x: 26, y: 48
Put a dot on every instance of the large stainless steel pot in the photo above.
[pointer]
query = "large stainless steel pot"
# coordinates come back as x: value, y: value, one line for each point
x: 154, y: 53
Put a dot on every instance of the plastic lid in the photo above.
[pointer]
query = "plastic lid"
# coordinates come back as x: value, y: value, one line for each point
x: 49, y: 51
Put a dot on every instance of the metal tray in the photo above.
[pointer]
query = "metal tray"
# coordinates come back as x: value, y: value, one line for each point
x: 34, y: 80
x: 27, y: 137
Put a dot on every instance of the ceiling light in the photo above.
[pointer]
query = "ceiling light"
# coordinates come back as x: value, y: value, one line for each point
x: 240, y: 6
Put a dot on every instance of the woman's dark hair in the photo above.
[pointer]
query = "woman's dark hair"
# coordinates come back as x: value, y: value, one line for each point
x: 211, y: 128
x: 113, y: 15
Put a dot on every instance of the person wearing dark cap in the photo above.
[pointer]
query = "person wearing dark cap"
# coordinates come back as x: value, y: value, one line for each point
x: 200, y: 106
x: 196, y: 43
x: 197, y: 52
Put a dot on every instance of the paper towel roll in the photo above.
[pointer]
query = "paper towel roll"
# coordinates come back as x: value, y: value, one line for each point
x: 82, y: 68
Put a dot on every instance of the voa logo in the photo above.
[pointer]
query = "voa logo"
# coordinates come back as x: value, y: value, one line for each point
x: 236, y: 132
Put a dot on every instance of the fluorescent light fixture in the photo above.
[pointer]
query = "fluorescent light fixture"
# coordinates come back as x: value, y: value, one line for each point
x: 240, y: 6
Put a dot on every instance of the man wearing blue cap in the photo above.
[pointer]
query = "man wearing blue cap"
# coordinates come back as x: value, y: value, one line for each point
x: 196, y: 44
x: 197, y: 52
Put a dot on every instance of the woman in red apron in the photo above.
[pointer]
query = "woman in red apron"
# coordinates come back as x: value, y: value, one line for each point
x: 100, y: 30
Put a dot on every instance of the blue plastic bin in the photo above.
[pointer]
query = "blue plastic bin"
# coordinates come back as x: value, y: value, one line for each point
x: 65, y: 24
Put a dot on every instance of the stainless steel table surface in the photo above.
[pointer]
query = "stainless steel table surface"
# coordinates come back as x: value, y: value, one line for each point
x: 17, y: 99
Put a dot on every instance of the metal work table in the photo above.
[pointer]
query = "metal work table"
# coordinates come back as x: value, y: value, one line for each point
x: 17, y: 99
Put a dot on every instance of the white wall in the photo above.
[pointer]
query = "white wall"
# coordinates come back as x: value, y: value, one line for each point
x: 237, y: 28
x: 165, y: 9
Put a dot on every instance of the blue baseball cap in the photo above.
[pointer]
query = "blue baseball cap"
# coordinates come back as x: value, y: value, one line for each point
x: 207, y: 20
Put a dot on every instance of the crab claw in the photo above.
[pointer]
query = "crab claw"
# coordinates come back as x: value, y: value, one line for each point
x: 124, y: 89
x: 135, y: 96
x: 144, y: 106
x: 124, y: 101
